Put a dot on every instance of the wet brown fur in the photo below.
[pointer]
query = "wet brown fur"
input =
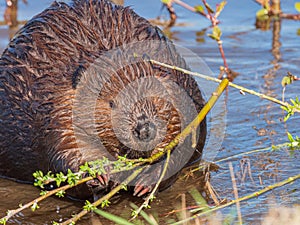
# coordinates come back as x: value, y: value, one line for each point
x: 39, y: 74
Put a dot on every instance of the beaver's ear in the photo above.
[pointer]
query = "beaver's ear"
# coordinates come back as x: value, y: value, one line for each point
x: 77, y: 75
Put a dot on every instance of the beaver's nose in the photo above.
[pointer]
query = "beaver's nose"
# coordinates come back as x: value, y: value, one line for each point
x: 145, y: 131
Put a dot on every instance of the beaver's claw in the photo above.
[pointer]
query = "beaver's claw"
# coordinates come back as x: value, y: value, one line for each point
x: 141, y: 190
x: 99, y: 182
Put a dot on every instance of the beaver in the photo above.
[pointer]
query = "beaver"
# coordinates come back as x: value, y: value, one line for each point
x: 76, y: 85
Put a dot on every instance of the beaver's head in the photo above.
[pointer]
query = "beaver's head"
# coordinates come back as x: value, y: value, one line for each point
x: 135, y: 119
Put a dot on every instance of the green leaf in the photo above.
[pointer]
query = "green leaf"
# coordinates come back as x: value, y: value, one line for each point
x: 284, y: 108
x: 72, y: 178
x: 114, y: 218
x: 262, y: 14
x: 199, y: 8
x: 38, y: 174
x: 216, y: 34
x: 124, y: 187
x: 134, y: 213
x: 43, y: 193
x: 85, y: 167
x: 286, y: 117
x: 166, y: 1
x: 286, y: 80
x: 297, y: 6
x: 60, y: 177
x: 105, y: 203
x: 61, y: 193
x: 290, y: 137
x: 220, y: 7
x: 3, y: 221
x: 209, y: 9
x: 89, y: 206
x: 35, y: 206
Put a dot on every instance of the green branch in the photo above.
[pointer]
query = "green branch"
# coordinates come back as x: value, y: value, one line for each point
x: 104, y: 198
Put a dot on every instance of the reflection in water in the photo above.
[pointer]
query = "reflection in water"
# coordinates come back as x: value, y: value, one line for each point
x: 270, y: 79
x: 276, y: 41
x: 11, y: 16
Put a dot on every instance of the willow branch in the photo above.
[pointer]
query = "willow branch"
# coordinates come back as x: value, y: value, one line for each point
x: 11, y: 213
x: 247, y: 197
x: 106, y: 197
x: 263, y: 96
x: 251, y: 152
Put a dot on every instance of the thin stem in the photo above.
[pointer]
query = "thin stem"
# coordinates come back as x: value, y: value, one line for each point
x: 187, y: 6
x: 263, y: 96
x: 236, y: 195
x: 210, y: 17
x: 172, y: 13
x: 223, y: 55
x: 214, y: 22
x: 11, y: 213
x: 247, y: 197
x: 190, y: 8
x: 106, y: 197
x: 151, y: 195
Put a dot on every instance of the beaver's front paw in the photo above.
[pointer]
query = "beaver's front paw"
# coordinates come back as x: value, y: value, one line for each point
x: 141, y: 189
x: 146, y: 182
x: 99, y: 180
x: 98, y: 184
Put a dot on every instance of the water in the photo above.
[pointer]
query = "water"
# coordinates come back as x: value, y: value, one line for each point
x: 261, y: 58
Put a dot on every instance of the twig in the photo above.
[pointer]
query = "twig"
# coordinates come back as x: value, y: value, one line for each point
x: 220, y: 46
x: 151, y: 195
x: 195, y: 123
x: 229, y: 84
x: 240, y: 154
x: 251, y: 152
x: 290, y: 16
x: 213, y: 20
x: 11, y: 213
x: 149, y: 218
x: 190, y: 8
x: 106, y: 197
x: 172, y: 13
x: 236, y: 194
x: 183, y: 206
x: 247, y: 197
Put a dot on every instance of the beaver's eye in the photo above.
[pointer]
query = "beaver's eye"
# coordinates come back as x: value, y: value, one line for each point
x: 112, y: 104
